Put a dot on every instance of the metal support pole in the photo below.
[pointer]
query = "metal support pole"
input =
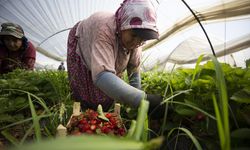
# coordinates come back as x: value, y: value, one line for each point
x: 211, y: 46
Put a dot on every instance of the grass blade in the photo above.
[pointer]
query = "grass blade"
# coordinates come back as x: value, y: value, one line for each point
x: 219, y: 122
x: 223, y: 105
x: 190, y: 135
x: 131, y: 129
x: 8, y: 136
x: 141, y: 117
x: 194, y: 107
x: 196, y: 69
x: 35, y: 120
x: 23, y: 121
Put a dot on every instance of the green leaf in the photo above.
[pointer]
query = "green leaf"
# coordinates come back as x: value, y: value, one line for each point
x: 196, y: 69
x: 11, y: 138
x: 101, y: 114
x: 141, y: 118
x: 223, y: 101
x: 242, y: 96
x: 154, y: 143
x: 239, y: 72
x: 219, y: 122
x: 10, y: 118
x: 185, y: 111
x: 35, y: 119
x: 23, y: 121
x: 243, y: 133
x: 131, y: 129
x: 85, y: 142
x: 190, y: 135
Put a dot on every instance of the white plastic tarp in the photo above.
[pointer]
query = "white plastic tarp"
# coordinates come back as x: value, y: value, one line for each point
x: 47, y: 22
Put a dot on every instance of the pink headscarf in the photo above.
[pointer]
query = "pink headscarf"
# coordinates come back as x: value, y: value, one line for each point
x: 136, y: 14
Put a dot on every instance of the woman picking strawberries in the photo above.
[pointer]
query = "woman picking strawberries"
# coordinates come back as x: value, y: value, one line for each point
x: 102, y: 47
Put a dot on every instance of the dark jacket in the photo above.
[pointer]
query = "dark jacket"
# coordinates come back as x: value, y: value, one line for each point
x: 24, y: 58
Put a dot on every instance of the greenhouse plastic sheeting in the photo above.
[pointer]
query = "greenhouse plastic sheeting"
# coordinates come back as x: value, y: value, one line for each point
x: 227, y: 24
x: 47, y: 22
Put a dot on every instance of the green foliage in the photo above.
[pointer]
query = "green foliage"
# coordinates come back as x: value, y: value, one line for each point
x: 85, y: 142
x: 247, y: 63
x: 154, y: 82
x: 52, y: 90
x: 186, y: 91
x: 197, y: 105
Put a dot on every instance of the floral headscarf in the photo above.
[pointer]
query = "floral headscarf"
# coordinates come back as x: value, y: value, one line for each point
x: 136, y: 14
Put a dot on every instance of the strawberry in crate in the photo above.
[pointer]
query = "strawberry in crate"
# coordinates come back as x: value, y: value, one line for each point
x: 96, y: 122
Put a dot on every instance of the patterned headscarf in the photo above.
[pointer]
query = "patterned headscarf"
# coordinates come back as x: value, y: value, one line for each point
x: 136, y: 14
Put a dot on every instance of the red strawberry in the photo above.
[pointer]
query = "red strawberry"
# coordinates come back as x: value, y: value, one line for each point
x: 93, y: 121
x: 108, y: 115
x: 80, y: 126
x: 106, y: 123
x: 75, y: 132
x: 121, y: 131
x: 91, y: 114
x: 105, y: 129
x: 98, y: 121
x: 200, y: 116
x: 85, y: 127
x: 93, y: 127
x: 83, y: 121
x: 89, y: 132
x: 113, y: 121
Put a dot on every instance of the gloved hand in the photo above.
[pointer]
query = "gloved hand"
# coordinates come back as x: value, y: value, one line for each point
x: 156, y: 111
